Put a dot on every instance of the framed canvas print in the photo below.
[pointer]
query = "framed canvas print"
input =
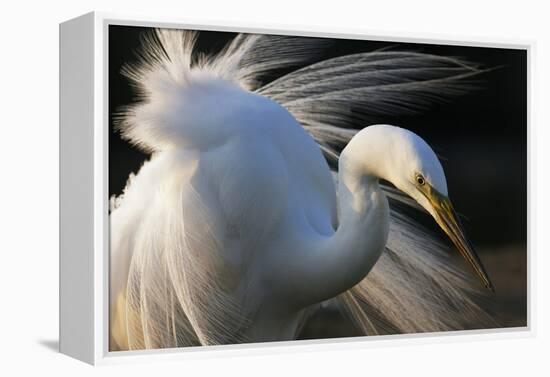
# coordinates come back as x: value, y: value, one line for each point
x: 227, y: 189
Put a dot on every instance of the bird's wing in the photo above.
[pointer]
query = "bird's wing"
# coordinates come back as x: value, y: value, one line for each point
x: 415, y: 286
x: 178, y: 265
x: 180, y: 286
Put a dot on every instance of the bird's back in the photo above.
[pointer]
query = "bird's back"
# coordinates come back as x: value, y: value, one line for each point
x: 209, y: 215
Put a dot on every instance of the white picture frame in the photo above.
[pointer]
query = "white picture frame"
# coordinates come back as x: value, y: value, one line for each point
x: 84, y: 194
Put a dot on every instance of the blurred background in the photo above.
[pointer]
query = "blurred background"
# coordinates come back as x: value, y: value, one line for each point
x: 481, y: 139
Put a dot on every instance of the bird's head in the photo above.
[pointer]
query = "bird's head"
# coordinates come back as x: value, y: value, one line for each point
x: 412, y: 166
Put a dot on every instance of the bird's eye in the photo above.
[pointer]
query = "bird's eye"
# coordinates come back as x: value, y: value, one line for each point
x: 420, y: 179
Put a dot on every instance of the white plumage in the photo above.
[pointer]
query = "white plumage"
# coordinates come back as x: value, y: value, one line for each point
x: 232, y: 231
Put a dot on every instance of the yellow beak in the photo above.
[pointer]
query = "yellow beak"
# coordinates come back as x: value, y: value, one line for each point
x: 448, y: 220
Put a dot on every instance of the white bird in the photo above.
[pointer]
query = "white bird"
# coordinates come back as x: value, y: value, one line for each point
x: 235, y: 230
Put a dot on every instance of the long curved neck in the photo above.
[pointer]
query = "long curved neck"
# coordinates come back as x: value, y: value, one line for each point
x: 363, y: 215
x: 336, y: 263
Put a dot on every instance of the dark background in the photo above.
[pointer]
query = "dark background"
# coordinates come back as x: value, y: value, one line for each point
x: 481, y: 138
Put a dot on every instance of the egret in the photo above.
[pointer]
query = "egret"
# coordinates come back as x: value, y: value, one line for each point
x: 236, y: 229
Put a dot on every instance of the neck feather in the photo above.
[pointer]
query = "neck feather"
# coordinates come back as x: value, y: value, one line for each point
x: 363, y: 214
x: 336, y: 263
